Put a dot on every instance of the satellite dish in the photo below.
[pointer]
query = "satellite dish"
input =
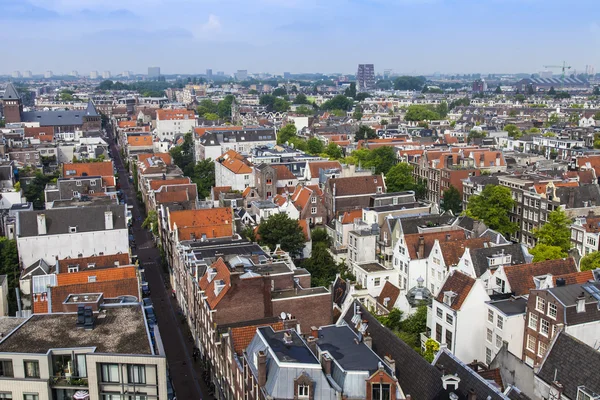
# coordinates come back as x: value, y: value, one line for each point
x: 283, y: 315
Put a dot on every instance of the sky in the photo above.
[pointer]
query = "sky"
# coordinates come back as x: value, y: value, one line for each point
x: 406, y: 36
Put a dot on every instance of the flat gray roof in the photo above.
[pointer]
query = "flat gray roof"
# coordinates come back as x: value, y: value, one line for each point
x: 122, y: 330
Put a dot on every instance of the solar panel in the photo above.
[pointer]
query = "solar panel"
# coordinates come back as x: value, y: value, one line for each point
x: 593, y: 291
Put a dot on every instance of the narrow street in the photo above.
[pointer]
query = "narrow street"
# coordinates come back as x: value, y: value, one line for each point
x: 186, y: 375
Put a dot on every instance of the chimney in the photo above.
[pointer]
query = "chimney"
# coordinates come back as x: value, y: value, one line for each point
x: 326, y: 364
x: 368, y: 341
x: 41, y: 224
x: 471, y: 395
x: 108, y: 220
x: 391, y: 363
x: 421, y: 249
x: 560, y: 282
x: 314, y: 332
x: 262, y: 369
x: 312, y: 344
x: 581, y: 303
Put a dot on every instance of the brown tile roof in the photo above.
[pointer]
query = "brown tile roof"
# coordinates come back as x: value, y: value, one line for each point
x: 102, y: 275
x: 99, y: 261
x: 223, y: 275
x: 303, y: 194
x: 43, y: 133
x: 127, y: 124
x: 201, y: 130
x: 166, y: 157
x: 282, y: 172
x: 520, y: 277
x: 575, y: 277
x: 412, y: 241
x: 316, y: 166
x: 350, y: 216
x: 103, y: 169
x: 110, y: 289
x: 458, y: 283
x: 217, y: 190
x: 158, y: 183
x: 212, y: 222
x: 454, y: 249
x: 356, y: 185
x: 177, y: 114
x: 242, y: 336
x: 590, y: 162
x: 236, y: 166
x: 493, y: 375
x: 172, y: 197
x: 389, y: 291
x: 139, y: 140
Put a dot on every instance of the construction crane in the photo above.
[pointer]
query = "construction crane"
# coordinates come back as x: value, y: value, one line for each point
x: 562, y: 67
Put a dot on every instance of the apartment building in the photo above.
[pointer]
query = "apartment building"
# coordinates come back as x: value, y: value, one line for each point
x: 172, y: 123
x: 107, y: 354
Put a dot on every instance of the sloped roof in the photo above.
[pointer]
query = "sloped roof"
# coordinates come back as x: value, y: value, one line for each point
x: 282, y: 172
x: 102, y: 274
x: 350, y: 216
x: 575, y: 277
x: 176, y: 114
x: 479, y: 257
x: 412, y: 241
x: 242, y: 336
x: 172, y: 197
x: 391, y: 292
x: 139, y: 140
x: 98, y: 261
x: 223, y: 275
x: 236, y: 166
x: 212, y: 222
x: 453, y: 250
x: 166, y: 157
x: 573, y: 363
x: 316, y: 166
x: 156, y: 184
x: 10, y: 92
x: 356, y: 185
x: 520, y: 277
x: 458, y: 283
x: 104, y: 169
x: 43, y: 133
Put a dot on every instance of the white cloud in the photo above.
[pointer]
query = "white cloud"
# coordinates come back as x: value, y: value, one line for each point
x: 212, y: 25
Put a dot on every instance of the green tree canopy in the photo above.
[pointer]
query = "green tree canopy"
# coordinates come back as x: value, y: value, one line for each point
x: 361, y: 96
x: 459, y: 102
x: 304, y: 110
x: 513, y: 131
x: 151, y: 222
x: 400, y: 178
x: 418, y: 112
x: 281, y: 105
x: 224, y: 107
x: 357, y: 114
x: 334, y: 151
x: 492, y: 207
x: 280, y: 229
x: 498, y: 90
x: 351, y: 90
x: 476, y: 134
x: 556, y: 231
x: 9, y: 266
x: 315, y: 146
x: 339, y: 102
x: 207, y: 106
x: 451, y: 200
x: 286, y: 133
x: 409, y: 82
x: 211, y: 117
x: 364, y: 132
x: 590, y: 261
x: 543, y: 252
x: 382, y: 158
x: 596, y: 91
x: 552, y: 91
x: 279, y: 92
x: 301, y: 99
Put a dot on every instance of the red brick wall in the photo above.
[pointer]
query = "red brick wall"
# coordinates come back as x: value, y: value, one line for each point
x: 244, y: 301
x: 381, y: 377
x: 309, y: 311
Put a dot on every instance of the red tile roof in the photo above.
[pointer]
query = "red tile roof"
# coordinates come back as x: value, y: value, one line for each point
x: 158, y: 183
x: 217, y: 190
x: 98, y: 261
x: 282, y: 172
x: 316, y: 166
x: 166, y: 157
x: 412, y: 241
x: 453, y: 250
x: 243, y: 335
x: 236, y: 166
x: 177, y: 114
x: 458, y: 283
x: 520, y: 277
x: 201, y: 130
x: 212, y: 222
x: 575, y: 277
x: 139, y: 140
x: 350, y: 216
x: 43, y: 133
x: 356, y: 185
x: 104, y: 169
x: 172, y: 197
x: 102, y: 275
x: 221, y: 275
x: 391, y: 292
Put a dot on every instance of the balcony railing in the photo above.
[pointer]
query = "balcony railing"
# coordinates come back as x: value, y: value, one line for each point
x: 64, y: 381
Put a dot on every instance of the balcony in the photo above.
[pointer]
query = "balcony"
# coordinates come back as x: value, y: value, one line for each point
x: 62, y: 381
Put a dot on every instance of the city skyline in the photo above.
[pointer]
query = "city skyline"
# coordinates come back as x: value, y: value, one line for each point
x: 504, y: 36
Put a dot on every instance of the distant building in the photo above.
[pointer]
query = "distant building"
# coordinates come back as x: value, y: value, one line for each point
x: 365, y: 77
x: 126, y: 74
x: 209, y: 73
x: 153, y: 72
x: 287, y: 75
x: 106, y: 75
x: 220, y: 73
x: 545, y: 74
x: 94, y: 75
x: 479, y: 85
x: 16, y: 74
x: 27, y: 74
x: 546, y: 83
x: 74, y: 73
x: 48, y: 74
x: 241, y: 75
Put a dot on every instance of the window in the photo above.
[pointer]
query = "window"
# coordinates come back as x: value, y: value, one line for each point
x: 488, y: 355
x: 498, y: 341
x: 544, y: 327
x: 136, y: 374
x: 78, y: 183
x: 553, y: 330
x: 32, y: 369
x: 449, y: 318
x: 440, y: 312
x: 6, y: 369
x: 111, y: 396
x: 31, y: 396
x: 137, y: 397
x: 92, y: 183
x: 5, y: 395
x: 72, y: 269
x: 313, y: 210
x: 449, y: 339
x: 313, y: 200
x: 377, y: 281
x: 75, y: 193
x: 380, y: 391
x: 533, y: 321
x: 303, y: 391
x: 72, y: 229
x: 542, y: 348
x: 438, y: 333
x: 491, y: 316
x: 552, y: 311
x: 109, y: 372
x: 490, y: 335
x: 540, y: 304
x: 91, y: 279
x: 530, y: 343
x: 500, y: 322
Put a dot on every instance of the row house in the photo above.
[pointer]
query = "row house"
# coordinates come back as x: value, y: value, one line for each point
x: 504, y: 325
x: 105, y: 170
x: 347, y: 194
x: 233, y: 170
x: 151, y: 186
x: 171, y: 123
x: 155, y: 167
x: 73, y: 188
x: 569, y: 308
x: 214, y: 142
x: 585, y: 234
x: 139, y: 142
x: 173, y: 196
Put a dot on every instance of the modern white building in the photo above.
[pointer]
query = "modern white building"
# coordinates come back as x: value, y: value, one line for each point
x: 173, y: 123
x: 111, y: 355
x: 232, y: 169
x: 504, y: 323
x: 71, y: 232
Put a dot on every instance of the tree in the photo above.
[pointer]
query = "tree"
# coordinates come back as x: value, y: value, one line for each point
x: 417, y: 112
x: 320, y: 235
x: 151, y: 222
x: 279, y: 92
x: 590, y: 261
x: 492, y: 207
x: 597, y: 115
x: 530, y: 89
x: 314, y: 146
x: 409, y: 82
x: 361, y: 96
x: 267, y: 100
x: 562, y: 95
x: 553, y: 119
x: 9, y: 266
x: 431, y: 349
x: 224, y: 107
x: 382, y: 158
x: 459, y: 102
x: 286, y: 133
x: 304, y: 110
x: 280, y: 229
x: 596, y: 91
x: 203, y: 175
x: 442, y: 109
x: 351, y: 90
x: 425, y: 89
x: 357, y: 114
x: 574, y: 119
x: 281, y: 105
x: 301, y: 99
x: 339, y: 102
x: 513, y: 131
x: 333, y: 151
x: 552, y: 91
x: 556, y: 231
x: 543, y: 252
x: 451, y: 200
x: 393, y: 320
x: 211, y: 117
x: 498, y: 90
x: 400, y: 178
x: 384, y: 85
x: 475, y: 134
x: 520, y: 98
x: 207, y: 107
x: 364, y: 132
x: 34, y: 191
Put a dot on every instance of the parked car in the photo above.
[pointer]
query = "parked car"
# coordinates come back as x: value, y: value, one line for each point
x: 145, y: 289
x: 150, y: 316
x: 147, y: 302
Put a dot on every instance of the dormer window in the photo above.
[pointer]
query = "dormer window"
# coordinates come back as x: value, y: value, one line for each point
x: 379, y: 189
x: 448, y: 297
x: 72, y: 229
x: 73, y: 268
x: 303, y: 391
x: 219, y: 285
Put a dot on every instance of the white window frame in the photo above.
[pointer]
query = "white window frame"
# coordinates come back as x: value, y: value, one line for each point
x: 491, y: 316
x: 544, y: 327
x: 540, y: 304
x: 552, y: 309
x: 489, y: 335
x: 531, y: 343
x: 545, y: 350
x: 500, y: 322
x: 533, y: 321
x: 303, y: 391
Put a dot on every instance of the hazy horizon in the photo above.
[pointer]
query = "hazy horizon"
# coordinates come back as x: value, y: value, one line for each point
x: 273, y: 36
